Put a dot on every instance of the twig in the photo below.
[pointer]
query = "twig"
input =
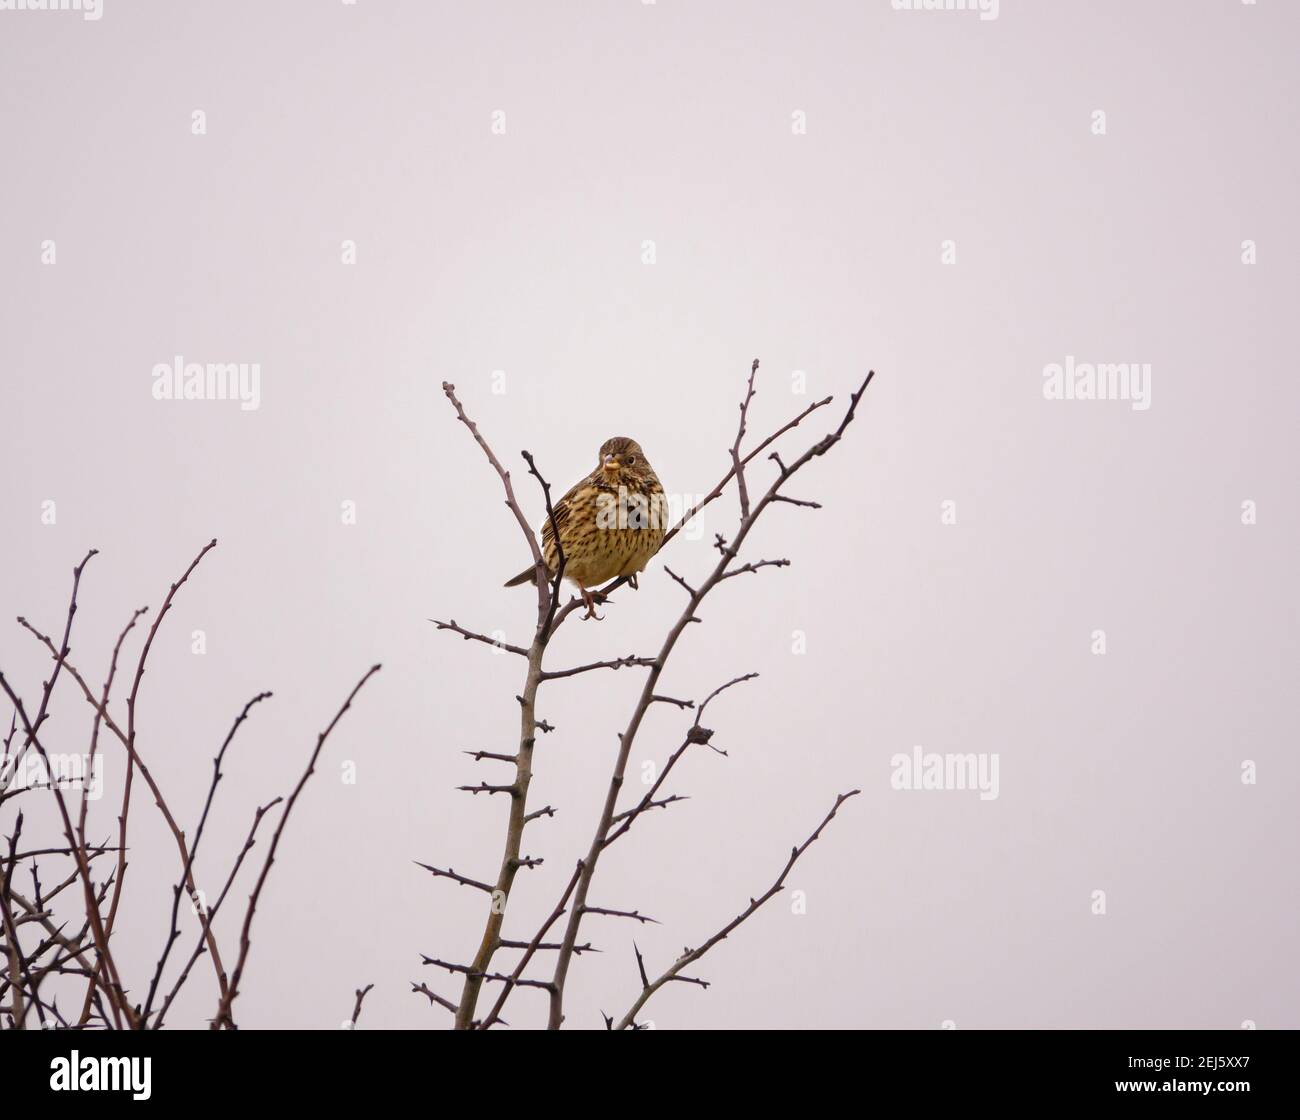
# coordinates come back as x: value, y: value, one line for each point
x: 112, y: 981
x: 207, y: 919
x: 678, y: 579
x: 433, y: 996
x: 718, y: 490
x: 611, y: 825
x: 628, y: 736
x: 361, y: 994
x: 635, y: 915
x: 496, y: 977
x: 737, y: 465
x: 549, y: 617
x: 174, y: 930
x: 544, y: 945
x: 691, y: 955
x: 614, y: 663
x: 494, y: 1016
x: 450, y: 390
x: 544, y: 811
x: 754, y: 566
x: 479, y: 756
x: 451, y: 874
x: 547, y: 626
x: 484, y: 787
x: 696, y: 734
x: 223, y: 1017
x: 471, y: 636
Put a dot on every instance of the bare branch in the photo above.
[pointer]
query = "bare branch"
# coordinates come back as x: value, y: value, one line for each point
x: 718, y: 490
x: 223, y: 1017
x: 134, y: 761
x: 450, y: 390
x: 192, y: 855
x: 471, y: 636
x: 479, y: 756
x: 691, y: 955
x: 424, y: 989
x: 206, y: 919
x: 647, y: 805
x: 737, y: 464
x: 672, y: 700
x: 612, y: 824
x: 753, y: 566
x: 635, y: 915
x: 548, y: 625
x: 483, y: 787
x: 678, y: 579
x: 615, y: 663
x: 640, y: 966
x: 796, y: 501
x: 543, y: 945
x: 121, y: 1009
x: 361, y: 994
x: 451, y: 874
x: 719, y: 691
x: 494, y: 1016
x: 549, y: 617
x: 727, y: 550
x: 694, y: 735
x: 496, y: 977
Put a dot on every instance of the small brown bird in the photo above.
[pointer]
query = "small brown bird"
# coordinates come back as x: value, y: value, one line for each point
x: 610, y: 523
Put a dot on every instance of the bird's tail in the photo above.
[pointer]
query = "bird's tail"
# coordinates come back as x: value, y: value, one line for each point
x: 528, y: 575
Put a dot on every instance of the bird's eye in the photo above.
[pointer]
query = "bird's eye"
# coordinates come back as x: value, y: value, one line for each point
x: 630, y: 460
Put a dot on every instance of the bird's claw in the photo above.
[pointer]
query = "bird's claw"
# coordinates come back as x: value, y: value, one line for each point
x: 591, y: 601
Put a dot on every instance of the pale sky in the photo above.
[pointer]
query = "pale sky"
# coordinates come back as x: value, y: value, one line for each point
x: 591, y: 217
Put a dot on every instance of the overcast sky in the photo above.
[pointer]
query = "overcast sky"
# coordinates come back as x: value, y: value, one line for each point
x: 591, y: 217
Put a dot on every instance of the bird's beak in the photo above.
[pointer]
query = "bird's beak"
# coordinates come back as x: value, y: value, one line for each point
x: 611, y: 464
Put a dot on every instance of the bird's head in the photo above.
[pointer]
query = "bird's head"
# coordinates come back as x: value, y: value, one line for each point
x: 622, y: 462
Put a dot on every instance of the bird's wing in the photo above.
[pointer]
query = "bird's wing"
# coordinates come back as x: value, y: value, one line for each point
x: 562, y: 510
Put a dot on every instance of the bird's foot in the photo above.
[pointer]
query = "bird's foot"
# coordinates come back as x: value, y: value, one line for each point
x: 591, y: 601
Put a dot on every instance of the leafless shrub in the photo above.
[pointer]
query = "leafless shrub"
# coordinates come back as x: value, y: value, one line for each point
x: 46, y: 954
x: 575, y: 904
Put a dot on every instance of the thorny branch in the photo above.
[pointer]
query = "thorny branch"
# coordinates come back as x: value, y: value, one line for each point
x: 518, y: 817
x: 628, y: 736
x: 690, y: 956
x: 82, y: 951
x: 223, y: 1016
x: 361, y: 994
x: 612, y: 823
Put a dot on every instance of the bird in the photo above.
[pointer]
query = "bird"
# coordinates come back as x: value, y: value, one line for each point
x: 610, y: 523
